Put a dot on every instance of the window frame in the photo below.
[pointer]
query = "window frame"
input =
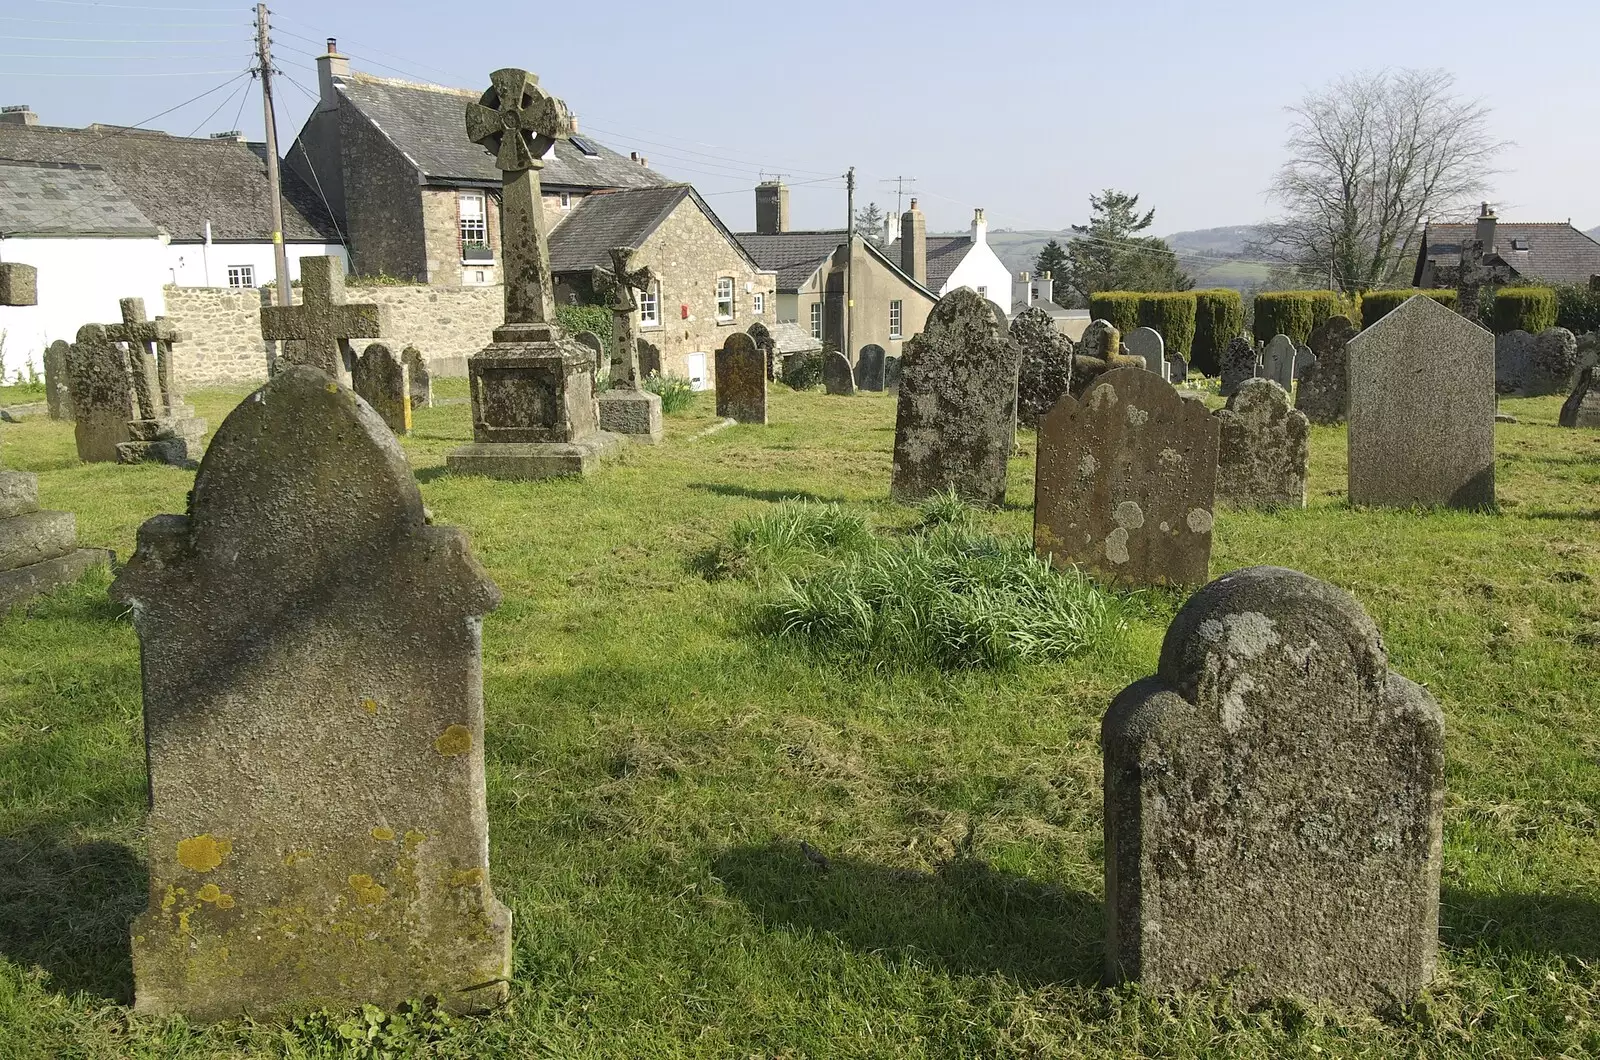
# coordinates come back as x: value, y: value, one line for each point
x: 983, y: 291
x: 758, y: 303
x: 732, y: 305
x: 651, y: 297
x: 566, y: 200
x: 896, y: 318
x: 243, y: 272
x: 469, y: 247
x: 816, y: 320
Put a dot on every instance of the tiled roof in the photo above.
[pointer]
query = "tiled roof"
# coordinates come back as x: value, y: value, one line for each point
x: 792, y: 338
x: 944, y: 254
x: 584, y: 238
x: 794, y: 256
x: 1556, y: 253
x: 180, y: 182
x: 428, y: 124
x: 39, y: 199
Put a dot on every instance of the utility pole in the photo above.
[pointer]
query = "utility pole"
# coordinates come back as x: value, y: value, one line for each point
x: 900, y: 184
x: 850, y: 260
x: 274, y: 179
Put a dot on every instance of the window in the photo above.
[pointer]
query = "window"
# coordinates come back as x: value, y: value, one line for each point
x: 650, y: 306
x: 589, y: 149
x: 725, y: 298
x: 894, y: 319
x: 758, y: 304
x: 1519, y: 244
x: 983, y: 292
x: 241, y: 275
x: 474, y: 215
x: 566, y: 200
x: 816, y: 320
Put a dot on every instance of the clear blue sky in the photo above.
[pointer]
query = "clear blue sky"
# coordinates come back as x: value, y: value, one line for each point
x: 1022, y: 108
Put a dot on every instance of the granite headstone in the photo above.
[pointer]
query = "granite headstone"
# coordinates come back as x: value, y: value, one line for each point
x: 742, y: 380
x: 1265, y: 449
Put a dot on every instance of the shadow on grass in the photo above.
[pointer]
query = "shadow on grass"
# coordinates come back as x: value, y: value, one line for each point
x: 1590, y: 516
x: 1521, y: 924
x: 67, y: 907
x: 772, y: 496
x: 966, y: 917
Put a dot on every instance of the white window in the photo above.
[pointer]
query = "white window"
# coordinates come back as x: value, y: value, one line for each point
x: 894, y: 319
x: 474, y: 215
x: 650, y: 306
x: 816, y: 320
x: 983, y: 292
x: 725, y: 298
x: 758, y: 304
x: 241, y: 275
x: 566, y: 200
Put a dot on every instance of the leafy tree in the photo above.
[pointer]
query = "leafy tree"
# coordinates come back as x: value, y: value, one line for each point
x: 1052, y: 259
x: 1109, y: 254
x: 869, y: 224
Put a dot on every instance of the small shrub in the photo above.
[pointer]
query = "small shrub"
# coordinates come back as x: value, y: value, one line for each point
x: 1173, y: 314
x: 1375, y: 305
x: 1119, y: 308
x: 803, y: 371
x: 1294, y: 313
x: 1218, y: 317
x: 676, y: 392
x: 1531, y: 309
x: 1578, y: 308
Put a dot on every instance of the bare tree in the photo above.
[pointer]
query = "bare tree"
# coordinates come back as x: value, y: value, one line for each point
x: 1371, y: 157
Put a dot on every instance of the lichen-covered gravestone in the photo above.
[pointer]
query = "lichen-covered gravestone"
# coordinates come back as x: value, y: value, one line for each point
x: 869, y: 368
x: 317, y: 332
x: 58, y: 394
x: 742, y: 380
x: 1238, y: 364
x: 1264, y: 450
x: 1422, y: 410
x: 419, y: 380
x: 955, y: 421
x: 590, y: 341
x: 891, y: 372
x: 102, y: 394
x: 1273, y: 804
x: 1324, y: 394
x: 649, y: 360
x: 1304, y: 361
x: 1126, y: 481
x: 1099, y: 351
x: 19, y: 284
x: 380, y: 380
x: 313, y: 703
x: 165, y: 429
x: 1555, y: 362
x: 1277, y: 361
x: 1513, y: 362
x: 1046, y: 370
x: 761, y: 335
x: 1582, y: 407
x: 838, y: 378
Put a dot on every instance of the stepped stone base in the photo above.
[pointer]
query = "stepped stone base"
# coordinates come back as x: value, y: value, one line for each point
x: 534, y: 460
x: 177, y: 440
x: 38, y: 550
x: 24, y: 583
x: 635, y: 413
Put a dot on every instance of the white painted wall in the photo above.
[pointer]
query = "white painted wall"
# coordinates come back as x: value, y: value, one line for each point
x: 206, y: 265
x: 80, y: 282
x: 982, y: 268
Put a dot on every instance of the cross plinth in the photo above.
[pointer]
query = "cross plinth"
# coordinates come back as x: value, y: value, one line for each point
x: 517, y: 122
x: 150, y: 342
x: 624, y: 322
x: 323, y: 323
x: 19, y: 284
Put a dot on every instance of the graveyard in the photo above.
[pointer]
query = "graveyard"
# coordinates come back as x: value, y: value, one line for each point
x: 716, y: 839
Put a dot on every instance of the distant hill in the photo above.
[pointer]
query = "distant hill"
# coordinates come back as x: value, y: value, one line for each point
x: 1594, y: 233
x: 1203, y: 253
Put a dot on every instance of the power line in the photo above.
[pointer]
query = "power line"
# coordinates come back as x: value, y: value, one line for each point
x: 125, y: 7
x: 312, y: 165
x: 101, y: 58
x: 107, y: 40
x: 79, y: 22
x: 68, y: 73
x: 244, y: 88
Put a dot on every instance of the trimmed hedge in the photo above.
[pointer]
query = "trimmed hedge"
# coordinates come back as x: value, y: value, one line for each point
x: 1578, y: 308
x: 1118, y: 308
x: 1218, y: 317
x: 1375, y: 305
x: 1172, y: 314
x: 1531, y: 309
x: 1294, y: 313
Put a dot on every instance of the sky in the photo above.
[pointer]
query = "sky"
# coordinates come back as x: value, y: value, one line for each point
x: 1024, y: 109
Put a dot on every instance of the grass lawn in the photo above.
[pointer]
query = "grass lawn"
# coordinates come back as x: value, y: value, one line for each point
x: 654, y: 763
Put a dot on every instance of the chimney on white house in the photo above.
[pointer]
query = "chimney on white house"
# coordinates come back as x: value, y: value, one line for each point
x: 1025, y: 289
x: 1044, y: 288
x: 980, y: 227
x: 330, y: 68
x: 891, y: 229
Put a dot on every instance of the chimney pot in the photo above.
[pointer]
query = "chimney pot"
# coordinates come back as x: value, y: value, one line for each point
x: 330, y: 68
x: 772, y: 207
x: 914, y: 244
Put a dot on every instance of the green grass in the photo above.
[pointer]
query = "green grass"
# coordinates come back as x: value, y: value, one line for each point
x: 654, y: 762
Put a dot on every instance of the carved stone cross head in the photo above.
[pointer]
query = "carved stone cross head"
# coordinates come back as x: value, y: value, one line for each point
x: 517, y: 121
x: 628, y: 279
x: 323, y: 321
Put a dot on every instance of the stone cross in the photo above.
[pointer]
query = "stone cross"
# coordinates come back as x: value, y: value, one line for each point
x: 625, y: 361
x: 518, y: 122
x: 323, y: 322
x: 19, y: 284
x: 150, y: 345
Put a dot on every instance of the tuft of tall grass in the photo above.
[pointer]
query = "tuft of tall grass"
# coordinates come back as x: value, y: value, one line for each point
x: 675, y: 392
x: 794, y: 535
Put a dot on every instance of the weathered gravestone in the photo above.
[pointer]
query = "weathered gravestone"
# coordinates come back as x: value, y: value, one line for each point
x: 1177, y: 368
x: 1422, y: 410
x: 1148, y: 343
x: 1099, y: 351
x: 591, y: 342
x: 1238, y: 364
x: 1324, y: 394
x: 1277, y: 361
x: 956, y: 417
x: 1046, y: 370
x: 627, y: 408
x: 1555, y: 362
x: 58, y: 394
x: 165, y: 429
x: 869, y: 368
x: 102, y: 394
x: 419, y: 381
x: 313, y: 703
x: 649, y: 359
x: 1582, y: 407
x: 317, y: 332
x: 761, y: 335
x: 1588, y: 350
x: 380, y: 380
x: 1264, y: 450
x: 1304, y: 361
x: 1126, y: 482
x: 19, y: 284
x: 1273, y: 804
x: 838, y: 378
x: 891, y: 372
x: 742, y: 380
x: 1513, y: 362
x: 38, y: 549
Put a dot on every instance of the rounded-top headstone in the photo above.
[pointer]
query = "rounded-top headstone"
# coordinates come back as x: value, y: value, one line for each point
x: 1555, y: 362
x: 1324, y: 394
x: 1147, y: 343
x: 1046, y: 372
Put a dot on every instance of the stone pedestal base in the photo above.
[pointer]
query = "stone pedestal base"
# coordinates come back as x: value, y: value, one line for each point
x: 38, y: 550
x: 177, y: 440
x: 635, y: 413
x: 534, y: 460
x: 24, y: 583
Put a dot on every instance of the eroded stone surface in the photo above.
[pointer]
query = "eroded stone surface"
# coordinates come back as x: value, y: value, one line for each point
x: 1422, y: 410
x: 1513, y: 362
x: 1264, y: 449
x: 1277, y: 361
x: 58, y: 391
x: 742, y: 380
x: 318, y: 330
x: 1324, y: 394
x: 869, y: 368
x: 1582, y: 407
x: 1238, y: 364
x: 956, y: 416
x: 419, y: 380
x: 1126, y: 480
x: 314, y: 716
x: 1098, y: 352
x: 102, y: 394
x: 761, y: 335
x: 1046, y: 370
x: 19, y: 284
x: 380, y: 380
x: 1555, y: 362
x: 1273, y: 803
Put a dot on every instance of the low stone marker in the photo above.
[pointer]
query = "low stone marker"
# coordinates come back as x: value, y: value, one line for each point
x: 1513, y: 362
x: 1422, y: 410
x: 1177, y: 369
x: 1274, y: 798
x: 164, y: 429
x: 891, y: 373
x: 869, y: 368
x: 1046, y: 371
x: 1555, y: 362
x: 838, y: 378
x: 1582, y: 407
x: 649, y: 359
x: 38, y: 549
x: 313, y: 706
x: 102, y: 395
x: 956, y: 418
x: 1238, y: 364
x: 58, y: 394
x: 742, y: 380
x: 1264, y: 450
x: 1126, y: 482
x: 1324, y: 394
x: 419, y: 380
x: 380, y: 380
x: 1277, y: 361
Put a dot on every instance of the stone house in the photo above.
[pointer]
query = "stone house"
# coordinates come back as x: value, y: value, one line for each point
x: 1553, y: 253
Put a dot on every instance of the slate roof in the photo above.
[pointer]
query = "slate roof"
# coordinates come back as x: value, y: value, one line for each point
x: 621, y: 218
x: 794, y: 256
x: 65, y: 199
x: 944, y: 254
x: 792, y: 338
x: 428, y: 124
x: 1557, y: 253
x: 180, y: 182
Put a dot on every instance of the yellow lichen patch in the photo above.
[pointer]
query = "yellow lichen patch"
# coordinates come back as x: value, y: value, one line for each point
x: 224, y: 901
x: 383, y: 834
x: 467, y: 878
x: 366, y: 891
x: 295, y: 856
x: 414, y: 839
x: 169, y: 900
x: 333, y: 388
x: 202, y: 853
x: 456, y: 740
x: 369, y: 705
x: 209, y: 893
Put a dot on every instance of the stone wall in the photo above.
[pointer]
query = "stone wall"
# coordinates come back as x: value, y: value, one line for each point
x: 223, y: 346
x: 383, y: 210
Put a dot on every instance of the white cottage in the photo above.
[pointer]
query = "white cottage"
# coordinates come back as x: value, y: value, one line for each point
x: 943, y: 263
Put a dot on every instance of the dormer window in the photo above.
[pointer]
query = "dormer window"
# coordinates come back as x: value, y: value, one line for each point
x: 1519, y: 244
x: 589, y: 150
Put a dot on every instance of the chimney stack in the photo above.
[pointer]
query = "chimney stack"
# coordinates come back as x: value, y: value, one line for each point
x: 330, y: 67
x: 1485, y: 230
x: 891, y: 229
x: 1044, y: 288
x: 980, y: 228
x: 1025, y: 289
x: 772, y: 208
x: 21, y: 114
x: 914, y: 244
